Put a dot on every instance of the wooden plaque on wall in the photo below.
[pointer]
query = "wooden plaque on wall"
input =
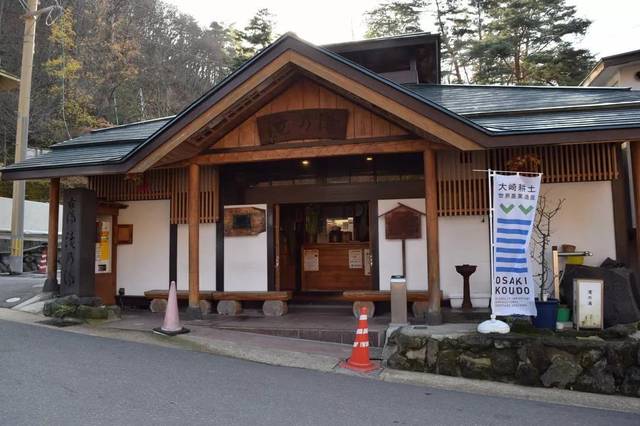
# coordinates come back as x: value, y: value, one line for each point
x: 402, y: 223
x: 244, y: 221
x: 318, y: 123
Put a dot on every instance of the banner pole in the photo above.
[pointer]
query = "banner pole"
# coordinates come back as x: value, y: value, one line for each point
x: 492, y: 325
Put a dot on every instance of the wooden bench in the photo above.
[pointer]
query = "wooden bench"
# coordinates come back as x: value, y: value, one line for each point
x: 274, y: 302
x: 182, y: 294
x: 159, y: 298
x: 366, y: 298
x: 229, y: 302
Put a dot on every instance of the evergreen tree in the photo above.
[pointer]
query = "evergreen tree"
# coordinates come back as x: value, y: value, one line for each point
x: 527, y: 42
x: 394, y: 18
x: 257, y: 35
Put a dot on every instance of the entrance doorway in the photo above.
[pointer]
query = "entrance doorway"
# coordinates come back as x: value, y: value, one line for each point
x: 323, y: 247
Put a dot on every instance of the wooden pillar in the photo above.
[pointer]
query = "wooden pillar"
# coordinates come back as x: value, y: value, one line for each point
x: 193, y: 218
x: 51, y: 283
x: 635, y: 169
x: 434, y: 314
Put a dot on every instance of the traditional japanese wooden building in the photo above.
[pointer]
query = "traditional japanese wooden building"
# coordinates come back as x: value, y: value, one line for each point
x: 278, y: 179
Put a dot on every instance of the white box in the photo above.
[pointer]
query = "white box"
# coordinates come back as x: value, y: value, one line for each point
x: 588, y: 303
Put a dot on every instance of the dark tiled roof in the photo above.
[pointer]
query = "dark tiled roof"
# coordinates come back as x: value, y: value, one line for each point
x: 529, y: 109
x: 77, y: 156
x: 96, y: 147
x: 138, y: 131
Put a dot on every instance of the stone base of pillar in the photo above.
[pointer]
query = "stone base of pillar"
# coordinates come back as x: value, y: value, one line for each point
x: 158, y: 305
x: 193, y: 313
x: 420, y: 310
x: 434, y: 318
x: 51, y: 286
x: 371, y: 308
x: 274, y: 308
x: 229, y: 307
x: 205, y: 307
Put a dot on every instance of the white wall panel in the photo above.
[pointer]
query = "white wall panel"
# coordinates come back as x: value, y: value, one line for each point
x: 144, y: 265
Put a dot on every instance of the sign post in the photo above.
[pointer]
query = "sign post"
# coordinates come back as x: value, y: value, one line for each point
x: 512, y: 209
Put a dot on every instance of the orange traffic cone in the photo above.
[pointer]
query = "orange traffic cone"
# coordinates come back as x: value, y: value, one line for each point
x: 359, y: 360
x: 171, y: 325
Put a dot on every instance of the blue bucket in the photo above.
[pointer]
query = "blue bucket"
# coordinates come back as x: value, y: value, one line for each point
x: 547, y: 314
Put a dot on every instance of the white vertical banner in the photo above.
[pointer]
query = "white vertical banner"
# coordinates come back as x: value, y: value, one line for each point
x: 514, y: 209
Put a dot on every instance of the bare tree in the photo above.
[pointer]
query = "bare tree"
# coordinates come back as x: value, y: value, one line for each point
x: 541, y: 239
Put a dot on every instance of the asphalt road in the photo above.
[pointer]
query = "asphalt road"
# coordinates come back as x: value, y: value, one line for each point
x: 54, y: 377
x: 23, y: 287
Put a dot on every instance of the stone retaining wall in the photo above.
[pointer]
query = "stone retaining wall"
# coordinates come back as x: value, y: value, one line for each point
x: 605, y: 363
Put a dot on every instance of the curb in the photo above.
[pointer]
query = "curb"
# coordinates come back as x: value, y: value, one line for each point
x: 329, y: 364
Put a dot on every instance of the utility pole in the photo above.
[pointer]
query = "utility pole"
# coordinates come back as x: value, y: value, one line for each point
x: 22, y: 133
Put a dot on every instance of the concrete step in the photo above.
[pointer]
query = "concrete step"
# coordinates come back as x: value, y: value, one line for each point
x: 376, y: 337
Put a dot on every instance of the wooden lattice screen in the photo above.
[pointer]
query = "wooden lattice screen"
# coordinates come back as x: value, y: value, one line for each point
x: 162, y: 184
x: 462, y: 192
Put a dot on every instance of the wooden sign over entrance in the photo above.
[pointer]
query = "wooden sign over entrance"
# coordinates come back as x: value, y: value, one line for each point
x: 319, y: 123
x: 403, y: 223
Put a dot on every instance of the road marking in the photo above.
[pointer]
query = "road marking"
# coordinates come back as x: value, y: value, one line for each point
x: 12, y: 300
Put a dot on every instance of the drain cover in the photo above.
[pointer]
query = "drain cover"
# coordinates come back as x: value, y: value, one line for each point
x: 12, y: 300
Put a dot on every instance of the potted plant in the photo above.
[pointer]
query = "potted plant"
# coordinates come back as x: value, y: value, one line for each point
x: 541, y: 241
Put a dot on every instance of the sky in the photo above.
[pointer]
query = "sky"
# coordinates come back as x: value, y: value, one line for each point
x: 615, y: 28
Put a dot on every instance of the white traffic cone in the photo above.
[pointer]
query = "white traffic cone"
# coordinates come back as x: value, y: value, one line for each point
x: 171, y: 325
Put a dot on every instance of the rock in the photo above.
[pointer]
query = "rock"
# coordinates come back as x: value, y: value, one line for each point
x: 448, y: 363
x: 58, y: 310
x: 274, y: 308
x: 475, y: 342
x: 561, y: 372
x: 90, y: 301
x: 475, y: 368
x: 596, y: 380
x: 416, y: 358
x: 432, y: 354
x: 71, y: 299
x: 158, y: 305
x: 619, y: 331
x: 205, y: 307
x: 527, y: 374
x: 503, y: 362
x: 420, y: 310
x: 409, y: 341
x: 502, y: 344
x: 631, y: 384
x: 91, y: 312
x: 620, y: 356
x: 535, y: 354
x: 589, y: 357
x: 371, y: 308
x: 114, y: 312
x: 398, y: 362
x: 229, y: 307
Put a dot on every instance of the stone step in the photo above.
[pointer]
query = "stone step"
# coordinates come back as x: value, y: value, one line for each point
x: 457, y: 316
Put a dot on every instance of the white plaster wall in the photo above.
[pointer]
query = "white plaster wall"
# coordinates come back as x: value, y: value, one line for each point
x: 586, y: 220
x: 390, y: 251
x: 207, y: 257
x: 245, y: 260
x: 144, y: 265
x: 464, y: 239
x: 627, y: 76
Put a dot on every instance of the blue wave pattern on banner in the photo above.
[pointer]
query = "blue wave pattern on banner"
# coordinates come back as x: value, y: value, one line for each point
x: 509, y: 228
